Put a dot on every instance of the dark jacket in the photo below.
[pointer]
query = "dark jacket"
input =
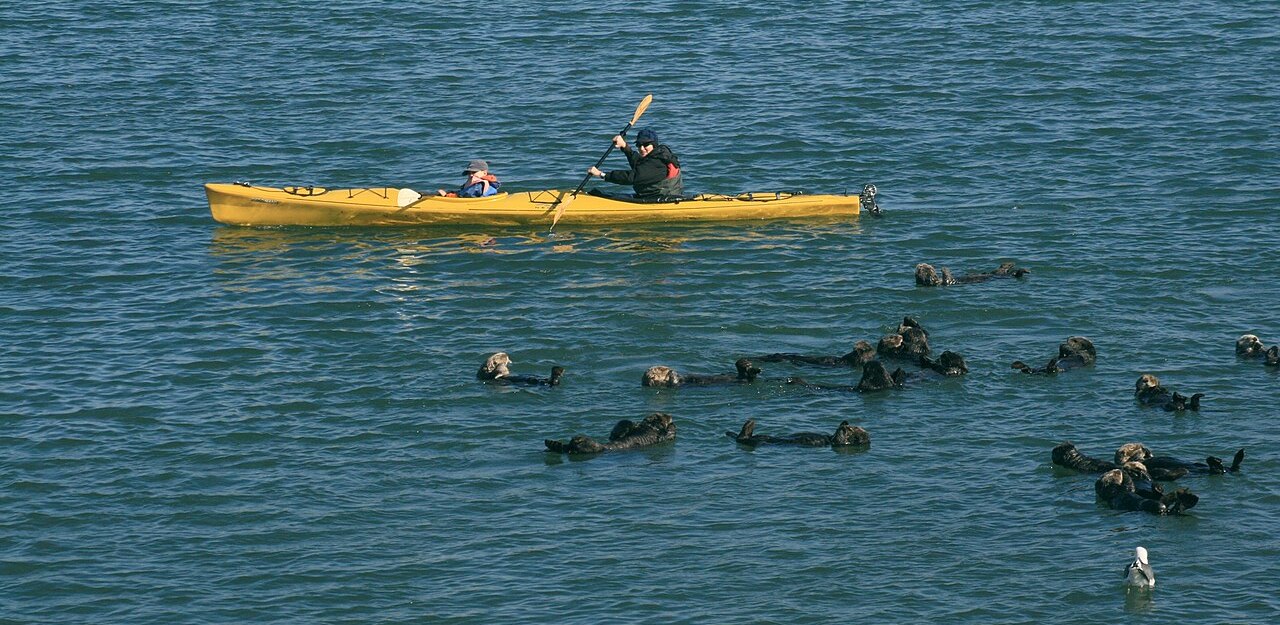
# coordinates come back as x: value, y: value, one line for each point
x: 650, y: 176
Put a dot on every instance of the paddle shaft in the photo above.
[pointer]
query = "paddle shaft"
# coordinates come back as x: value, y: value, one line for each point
x: 600, y: 162
x: 562, y: 202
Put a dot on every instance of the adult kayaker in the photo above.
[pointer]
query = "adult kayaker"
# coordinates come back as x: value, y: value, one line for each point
x: 479, y: 182
x: 655, y: 170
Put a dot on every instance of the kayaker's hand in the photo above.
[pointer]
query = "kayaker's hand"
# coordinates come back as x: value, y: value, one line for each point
x: 619, y: 142
x: 595, y: 172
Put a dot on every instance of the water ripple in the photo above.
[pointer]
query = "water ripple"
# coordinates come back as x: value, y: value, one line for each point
x: 215, y: 425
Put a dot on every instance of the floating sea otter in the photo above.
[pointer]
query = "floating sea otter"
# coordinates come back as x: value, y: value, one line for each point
x: 663, y: 376
x: 948, y: 363
x: 1130, y: 452
x: 1250, y: 346
x: 655, y: 428
x: 1076, y: 352
x: 1149, y: 392
x: 926, y: 275
x: 874, y: 378
x: 845, y: 436
x: 910, y: 342
x: 495, y: 370
x: 1130, y: 487
x: 1159, y: 467
x: 862, y: 352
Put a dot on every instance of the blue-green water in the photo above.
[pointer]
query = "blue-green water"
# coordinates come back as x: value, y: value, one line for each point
x: 204, y: 424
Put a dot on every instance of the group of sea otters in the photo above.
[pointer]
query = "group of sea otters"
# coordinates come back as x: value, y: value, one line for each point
x: 1130, y: 482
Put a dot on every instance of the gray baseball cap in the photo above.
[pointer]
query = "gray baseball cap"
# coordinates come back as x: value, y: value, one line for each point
x: 476, y: 165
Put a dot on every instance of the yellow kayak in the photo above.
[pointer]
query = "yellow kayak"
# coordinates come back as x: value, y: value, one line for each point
x: 242, y: 204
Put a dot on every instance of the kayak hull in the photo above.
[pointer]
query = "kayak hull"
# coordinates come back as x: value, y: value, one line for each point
x: 242, y: 205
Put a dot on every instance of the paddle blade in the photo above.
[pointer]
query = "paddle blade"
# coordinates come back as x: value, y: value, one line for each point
x: 644, y: 104
x: 407, y: 197
x: 564, y: 203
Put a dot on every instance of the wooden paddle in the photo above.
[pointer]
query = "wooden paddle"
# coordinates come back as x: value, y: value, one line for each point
x: 563, y: 201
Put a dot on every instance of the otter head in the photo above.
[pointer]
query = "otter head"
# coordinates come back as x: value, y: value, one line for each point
x: 1249, y: 346
x: 660, y: 421
x: 495, y: 367
x: 953, y: 363
x: 926, y: 275
x: 1109, y: 483
x: 908, y: 322
x: 1004, y: 269
x: 1145, y: 382
x: 862, y: 352
x: 898, y: 377
x: 659, y: 375
x: 915, y: 342
x: 890, y: 345
x: 847, y: 435
x: 556, y: 374
x: 1131, y: 452
x: 874, y: 377
x: 1112, y: 477
x: 746, y: 370
x: 1064, y: 452
x: 1078, y: 345
x: 1136, y: 469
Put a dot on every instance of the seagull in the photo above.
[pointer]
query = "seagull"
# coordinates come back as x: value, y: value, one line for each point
x: 1139, y: 572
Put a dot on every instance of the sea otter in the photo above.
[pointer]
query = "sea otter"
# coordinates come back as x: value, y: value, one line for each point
x: 1250, y: 346
x: 663, y: 376
x: 1149, y: 392
x: 655, y: 428
x: 911, y: 342
x: 1130, y: 487
x: 1066, y: 455
x: 1075, y: 352
x: 926, y: 275
x: 845, y: 436
x: 948, y: 363
x: 1130, y: 452
x: 909, y: 322
x: 495, y: 370
x: 1164, y: 468
x: 862, y: 352
x: 874, y: 378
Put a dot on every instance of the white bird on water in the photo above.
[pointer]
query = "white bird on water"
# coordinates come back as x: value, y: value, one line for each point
x: 1139, y: 572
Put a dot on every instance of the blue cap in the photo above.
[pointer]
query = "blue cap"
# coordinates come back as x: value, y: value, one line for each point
x: 646, y: 136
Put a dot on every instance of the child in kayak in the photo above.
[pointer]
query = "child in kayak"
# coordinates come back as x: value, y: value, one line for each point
x: 479, y: 183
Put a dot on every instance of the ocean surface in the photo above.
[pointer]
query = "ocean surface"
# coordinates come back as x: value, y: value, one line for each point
x: 220, y: 425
